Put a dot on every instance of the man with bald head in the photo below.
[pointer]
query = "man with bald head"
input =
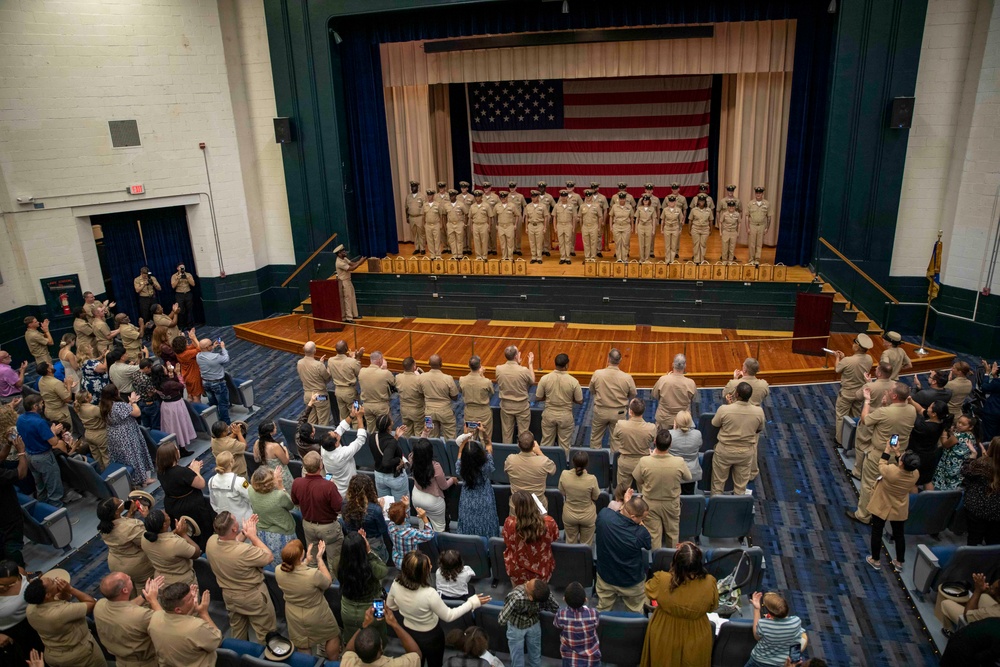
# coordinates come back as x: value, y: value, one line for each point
x: 439, y: 391
x: 344, y: 369
x: 514, y: 382
x: 123, y: 621
x: 612, y: 389
x: 314, y: 376
x: 212, y: 358
x: 377, y: 386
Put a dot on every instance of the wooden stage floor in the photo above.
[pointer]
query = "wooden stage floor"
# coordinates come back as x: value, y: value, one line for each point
x: 647, y: 352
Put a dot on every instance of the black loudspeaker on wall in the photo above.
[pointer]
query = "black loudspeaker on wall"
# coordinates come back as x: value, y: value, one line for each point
x: 283, y: 130
x: 902, y: 113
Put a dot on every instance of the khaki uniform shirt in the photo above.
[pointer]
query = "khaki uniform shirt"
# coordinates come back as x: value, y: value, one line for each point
x: 344, y: 371
x: 432, y: 213
x: 580, y: 491
x: 674, y: 392
x: 575, y: 200
x: 84, y: 332
x: 181, y: 284
x: 439, y: 390
x: 517, y: 200
x: 411, y: 400
x: 560, y: 391
x: 54, y: 394
x: 602, y: 201
x: 758, y: 212
x: 343, y: 269
x: 535, y: 213
x: 124, y: 631
x: 38, y: 345
x: 63, y: 628
x: 491, y: 198
x: 466, y: 200
x: 628, y: 198
x: 414, y: 205
x: 184, y: 641
x: 645, y: 215
x: 456, y: 213
x: 507, y: 215
x: 236, y: 448
x: 171, y: 557
x: 893, y: 419
x: 146, y: 286
x: 591, y: 213
x: 897, y: 358
x: 91, y: 308
x: 237, y: 565
x: 671, y: 217
x: 548, y: 201
x: 351, y: 659
x: 376, y: 385
x: 441, y: 197
x: 102, y: 335
x: 878, y: 388
x: 761, y: 390
x: 612, y: 388
x: 633, y: 436
x: 701, y: 220
x: 131, y: 339
x: 659, y: 478
x: 314, y: 375
x: 621, y: 215
x: 852, y: 371
x: 169, y: 323
x: 565, y: 214
x: 480, y: 214
x: 729, y: 222
x: 476, y: 390
x: 528, y: 472
x: 513, y: 383
x: 960, y: 388
x: 738, y: 424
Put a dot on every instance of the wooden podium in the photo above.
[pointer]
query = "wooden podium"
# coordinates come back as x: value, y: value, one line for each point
x: 325, y: 298
x: 813, y: 317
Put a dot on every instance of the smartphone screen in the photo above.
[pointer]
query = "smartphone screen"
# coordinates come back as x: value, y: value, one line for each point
x: 472, y: 426
x: 894, y: 440
x: 329, y: 478
x: 357, y: 404
x: 795, y: 653
x: 379, y: 607
x: 428, y: 422
x: 322, y: 397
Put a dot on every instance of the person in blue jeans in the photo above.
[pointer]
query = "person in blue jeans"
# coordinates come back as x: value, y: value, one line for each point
x: 213, y: 374
x: 520, y: 615
x: 39, y: 440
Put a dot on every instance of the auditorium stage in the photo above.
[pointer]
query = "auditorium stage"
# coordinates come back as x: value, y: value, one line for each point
x: 647, y: 351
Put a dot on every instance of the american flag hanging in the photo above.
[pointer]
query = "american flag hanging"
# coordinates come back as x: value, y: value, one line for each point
x: 640, y: 130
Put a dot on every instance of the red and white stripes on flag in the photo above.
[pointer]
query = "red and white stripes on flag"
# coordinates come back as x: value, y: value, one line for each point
x: 640, y: 130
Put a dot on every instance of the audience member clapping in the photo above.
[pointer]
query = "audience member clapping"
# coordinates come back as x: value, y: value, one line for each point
x: 528, y: 535
x: 362, y: 511
x: 477, y: 505
x: 126, y: 444
x: 271, y: 502
x: 405, y: 537
x: 686, y: 443
x: 360, y: 574
x: 309, y: 617
x: 981, y: 481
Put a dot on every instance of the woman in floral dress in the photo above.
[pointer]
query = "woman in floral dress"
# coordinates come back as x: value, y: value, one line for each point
x: 93, y: 372
x: 125, y: 442
x: 477, y: 506
x: 958, y: 448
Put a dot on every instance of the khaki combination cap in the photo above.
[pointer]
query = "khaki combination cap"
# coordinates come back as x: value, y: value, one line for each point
x: 893, y: 337
x: 864, y: 341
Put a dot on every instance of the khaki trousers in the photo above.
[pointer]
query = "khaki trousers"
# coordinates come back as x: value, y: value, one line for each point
x: 755, y: 241
x: 646, y: 236
x: 88, y: 654
x: 663, y: 523
x: 671, y: 242
x: 372, y: 412
x: 491, y: 240
x: 98, y: 443
x: 626, y: 465
x: 444, y: 423
x: 536, y: 239
x: 433, y: 232
x: 506, y: 239
x: 521, y: 417
x: 248, y: 608
x: 321, y: 409
x: 480, y: 238
x: 348, y: 302
x: 557, y: 425
x: 579, y: 531
x: 456, y: 237
x: 566, y: 240
x: 736, y: 459
x: 417, y: 229
x: 623, y: 236
x: 869, y: 474
x: 729, y: 246
x: 414, y: 423
x: 591, y: 240
x: 482, y: 414
x: 848, y: 405
x: 518, y: 233
x: 634, y: 597
x: 955, y: 612
x: 604, y: 419
x: 345, y: 401
x: 332, y: 534
x: 698, y: 241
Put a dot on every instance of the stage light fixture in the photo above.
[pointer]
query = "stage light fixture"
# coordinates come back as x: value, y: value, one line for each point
x: 565, y: 8
x: 832, y: 7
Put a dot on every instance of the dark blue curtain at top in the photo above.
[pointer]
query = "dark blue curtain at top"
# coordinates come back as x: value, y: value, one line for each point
x: 124, y: 255
x: 365, y: 104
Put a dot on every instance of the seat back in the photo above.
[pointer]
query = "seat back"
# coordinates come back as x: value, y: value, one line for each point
x: 692, y: 516
x: 662, y: 559
x: 47, y: 524
x: 554, y: 500
x: 225, y: 657
x: 277, y: 595
x: 487, y: 618
x: 288, y: 429
x: 574, y: 562
x: 84, y: 478
x: 252, y: 464
x: 550, y: 635
x: 295, y: 467
x: 734, y: 643
x: 500, y: 453
x: 709, y: 433
x: 240, y: 391
x: 621, y: 635
x: 296, y: 659
x: 363, y: 458
x: 728, y: 516
x: 206, y: 577
x: 442, y: 456
x: 603, y: 500
x: 472, y: 549
x: 931, y: 511
x: 496, y: 549
x: 599, y: 464
x: 115, y: 476
x: 332, y: 595
x: 202, y: 417
x: 502, y: 494
x: 967, y: 560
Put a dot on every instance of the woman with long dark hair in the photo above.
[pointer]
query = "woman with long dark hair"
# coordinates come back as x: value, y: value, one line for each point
x: 390, y: 475
x: 182, y: 490
x: 581, y: 491
x: 174, y: 416
x: 477, y: 506
x: 170, y: 552
x: 270, y: 453
x: 123, y: 536
x: 186, y: 351
x: 360, y: 575
x: 125, y: 442
x: 890, y: 502
x: 528, y: 538
x: 679, y: 632
x: 929, y: 429
x: 362, y: 511
x: 310, y: 620
x: 429, y: 483
x: 17, y: 637
x: 982, y: 496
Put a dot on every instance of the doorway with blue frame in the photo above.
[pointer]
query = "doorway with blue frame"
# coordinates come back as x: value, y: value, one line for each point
x: 157, y: 238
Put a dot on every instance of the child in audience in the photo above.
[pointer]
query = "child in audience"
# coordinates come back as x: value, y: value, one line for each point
x: 520, y: 615
x: 616, y: 504
x: 474, y: 645
x: 453, y: 576
x: 775, y: 633
x: 577, y: 623
x: 406, y: 538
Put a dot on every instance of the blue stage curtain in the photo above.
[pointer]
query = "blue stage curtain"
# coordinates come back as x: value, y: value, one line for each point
x: 365, y: 104
x: 124, y: 259
x: 461, y: 150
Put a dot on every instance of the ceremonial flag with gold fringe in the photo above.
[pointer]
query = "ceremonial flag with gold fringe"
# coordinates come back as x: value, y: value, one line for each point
x: 934, y: 272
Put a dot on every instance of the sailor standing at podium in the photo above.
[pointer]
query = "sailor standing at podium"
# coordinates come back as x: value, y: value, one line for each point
x: 348, y: 302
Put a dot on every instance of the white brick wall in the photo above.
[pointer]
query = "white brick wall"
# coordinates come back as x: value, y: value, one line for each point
x: 69, y: 67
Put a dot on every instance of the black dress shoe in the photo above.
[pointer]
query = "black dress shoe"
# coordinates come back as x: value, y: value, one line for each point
x: 546, y: 253
x: 599, y: 254
x: 573, y: 253
x: 854, y: 517
x: 518, y: 252
x: 184, y: 451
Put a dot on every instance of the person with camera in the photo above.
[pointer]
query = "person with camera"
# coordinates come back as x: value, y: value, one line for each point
x: 183, y: 282
x: 890, y: 501
x: 146, y: 286
x: 212, y: 358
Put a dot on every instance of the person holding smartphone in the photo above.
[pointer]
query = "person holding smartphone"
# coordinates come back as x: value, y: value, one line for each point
x: 779, y: 636
x: 891, y: 500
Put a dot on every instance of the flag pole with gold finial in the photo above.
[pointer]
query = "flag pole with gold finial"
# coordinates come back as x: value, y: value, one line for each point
x: 933, y: 287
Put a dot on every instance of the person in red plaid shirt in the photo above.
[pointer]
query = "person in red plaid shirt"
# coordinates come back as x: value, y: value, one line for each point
x: 578, y: 643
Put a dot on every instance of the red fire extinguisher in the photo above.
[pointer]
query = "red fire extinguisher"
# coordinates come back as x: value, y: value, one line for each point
x: 64, y: 302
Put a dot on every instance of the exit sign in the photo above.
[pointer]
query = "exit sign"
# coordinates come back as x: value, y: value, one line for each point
x: 136, y: 189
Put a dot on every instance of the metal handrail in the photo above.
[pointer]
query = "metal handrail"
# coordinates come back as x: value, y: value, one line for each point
x: 309, y: 259
x: 859, y: 270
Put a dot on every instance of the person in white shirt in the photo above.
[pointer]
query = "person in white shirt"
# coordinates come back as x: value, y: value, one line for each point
x: 338, y: 460
x: 453, y: 576
x: 227, y: 491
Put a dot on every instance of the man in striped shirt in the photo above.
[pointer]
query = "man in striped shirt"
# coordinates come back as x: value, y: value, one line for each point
x: 777, y: 634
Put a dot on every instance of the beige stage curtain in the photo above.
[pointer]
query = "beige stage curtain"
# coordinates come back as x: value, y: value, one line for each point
x: 753, y: 131
x: 418, y: 121
x: 742, y: 47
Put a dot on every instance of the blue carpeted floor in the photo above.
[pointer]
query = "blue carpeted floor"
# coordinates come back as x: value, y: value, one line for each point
x: 814, y: 554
